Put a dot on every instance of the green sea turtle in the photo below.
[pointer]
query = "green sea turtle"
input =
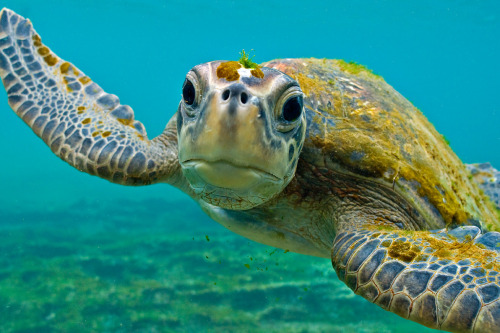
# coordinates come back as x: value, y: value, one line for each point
x: 320, y: 157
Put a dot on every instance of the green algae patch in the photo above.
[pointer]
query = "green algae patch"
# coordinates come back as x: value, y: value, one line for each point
x: 446, y: 140
x: 246, y: 61
x: 355, y: 68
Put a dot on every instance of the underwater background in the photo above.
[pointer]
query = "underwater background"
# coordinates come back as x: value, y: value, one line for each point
x: 79, y: 254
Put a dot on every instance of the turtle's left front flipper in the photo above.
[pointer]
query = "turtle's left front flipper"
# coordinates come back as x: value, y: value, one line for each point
x: 81, y: 124
x: 443, y: 280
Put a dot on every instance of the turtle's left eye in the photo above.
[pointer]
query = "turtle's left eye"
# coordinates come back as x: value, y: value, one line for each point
x: 188, y: 92
x: 292, y: 109
x: 288, y: 109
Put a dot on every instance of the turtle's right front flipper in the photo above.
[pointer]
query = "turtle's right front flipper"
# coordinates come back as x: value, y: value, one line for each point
x: 447, y: 281
x: 81, y: 124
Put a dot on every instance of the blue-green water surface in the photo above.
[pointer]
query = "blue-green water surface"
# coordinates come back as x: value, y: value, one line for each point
x: 79, y: 254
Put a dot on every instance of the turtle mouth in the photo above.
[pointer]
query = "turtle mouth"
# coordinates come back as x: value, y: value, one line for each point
x: 227, y: 174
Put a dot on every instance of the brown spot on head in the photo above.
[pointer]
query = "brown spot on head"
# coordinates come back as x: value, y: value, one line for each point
x: 106, y: 134
x: 86, y: 121
x: 229, y: 70
x: 258, y: 73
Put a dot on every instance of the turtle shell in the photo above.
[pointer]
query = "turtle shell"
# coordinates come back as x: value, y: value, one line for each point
x: 367, y: 129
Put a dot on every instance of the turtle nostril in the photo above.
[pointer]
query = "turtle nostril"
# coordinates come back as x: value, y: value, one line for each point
x: 225, y: 94
x: 244, y: 97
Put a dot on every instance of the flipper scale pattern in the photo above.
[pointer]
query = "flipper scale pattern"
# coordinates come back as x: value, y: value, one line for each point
x: 447, y: 280
x: 81, y: 123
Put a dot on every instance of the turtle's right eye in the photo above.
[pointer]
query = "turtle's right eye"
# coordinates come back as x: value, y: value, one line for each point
x: 188, y: 92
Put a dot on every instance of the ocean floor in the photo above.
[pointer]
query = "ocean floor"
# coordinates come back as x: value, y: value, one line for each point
x: 155, y: 266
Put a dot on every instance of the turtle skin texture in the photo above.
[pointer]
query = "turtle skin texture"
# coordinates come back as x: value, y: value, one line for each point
x: 431, y: 265
x: 375, y: 184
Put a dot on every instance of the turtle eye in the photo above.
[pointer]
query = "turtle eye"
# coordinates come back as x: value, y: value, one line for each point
x: 288, y: 109
x: 188, y: 92
x: 292, y: 109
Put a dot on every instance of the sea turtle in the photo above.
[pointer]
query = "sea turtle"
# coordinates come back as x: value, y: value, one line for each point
x: 320, y: 157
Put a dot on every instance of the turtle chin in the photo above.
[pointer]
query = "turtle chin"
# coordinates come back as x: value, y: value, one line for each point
x: 229, y: 186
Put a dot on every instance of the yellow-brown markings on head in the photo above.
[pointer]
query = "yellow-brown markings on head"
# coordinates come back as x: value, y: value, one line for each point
x: 229, y: 70
x: 86, y: 121
x: 106, y: 134
x: 258, y: 73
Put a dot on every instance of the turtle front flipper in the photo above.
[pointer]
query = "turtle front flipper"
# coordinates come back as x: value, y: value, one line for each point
x: 81, y: 124
x: 443, y: 280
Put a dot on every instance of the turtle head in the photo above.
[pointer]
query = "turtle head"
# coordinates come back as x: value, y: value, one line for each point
x: 240, y: 132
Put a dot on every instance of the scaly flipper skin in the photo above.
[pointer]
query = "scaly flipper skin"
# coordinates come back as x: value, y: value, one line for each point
x: 443, y: 280
x: 81, y: 124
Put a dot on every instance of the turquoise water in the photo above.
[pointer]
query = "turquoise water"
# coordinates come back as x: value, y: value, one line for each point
x: 63, y: 230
